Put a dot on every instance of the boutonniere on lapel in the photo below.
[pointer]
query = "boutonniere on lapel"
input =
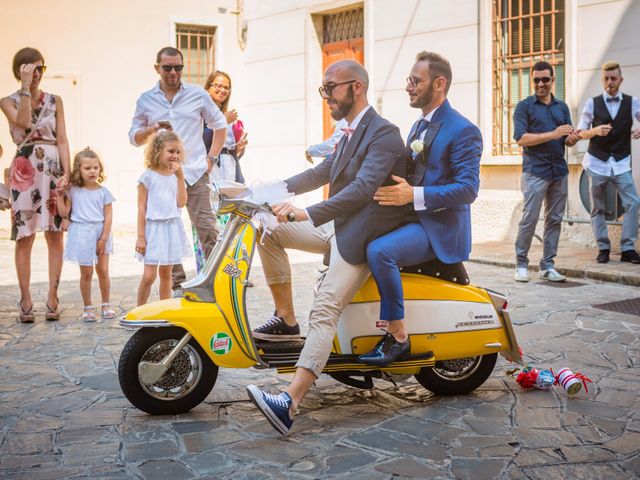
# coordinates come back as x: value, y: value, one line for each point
x: 417, y: 146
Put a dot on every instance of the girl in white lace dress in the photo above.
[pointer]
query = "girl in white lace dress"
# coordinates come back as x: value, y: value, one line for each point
x: 161, y: 241
x: 89, y: 242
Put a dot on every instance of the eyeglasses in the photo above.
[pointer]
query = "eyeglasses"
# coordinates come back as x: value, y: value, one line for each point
x: 224, y: 88
x: 537, y: 80
x: 168, y: 68
x: 414, y: 81
x: 327, y: 89
x: 41, y: 69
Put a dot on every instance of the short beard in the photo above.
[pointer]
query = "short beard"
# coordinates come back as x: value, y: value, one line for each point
x: 344, y: 106
x: 424, y: 99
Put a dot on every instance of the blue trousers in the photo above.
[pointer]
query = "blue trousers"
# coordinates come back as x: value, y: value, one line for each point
x: 405, y: 246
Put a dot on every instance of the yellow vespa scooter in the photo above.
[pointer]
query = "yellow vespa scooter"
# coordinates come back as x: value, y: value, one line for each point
x: 171, y: 362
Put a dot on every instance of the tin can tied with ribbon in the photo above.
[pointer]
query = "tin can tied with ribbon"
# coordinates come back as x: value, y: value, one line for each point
x: 572, y: 382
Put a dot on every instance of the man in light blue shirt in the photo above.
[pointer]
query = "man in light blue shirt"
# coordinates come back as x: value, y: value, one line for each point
x: 183, y: 108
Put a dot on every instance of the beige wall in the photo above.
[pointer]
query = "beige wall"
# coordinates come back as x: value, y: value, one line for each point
x: 100, y: 58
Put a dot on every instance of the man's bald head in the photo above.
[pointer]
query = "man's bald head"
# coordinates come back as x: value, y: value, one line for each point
x: 350, y: 70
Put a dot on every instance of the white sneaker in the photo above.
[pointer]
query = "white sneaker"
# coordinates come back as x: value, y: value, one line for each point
x: 522, y: 274
x: 552, y: 275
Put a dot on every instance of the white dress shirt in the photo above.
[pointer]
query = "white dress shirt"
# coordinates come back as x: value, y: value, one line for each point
x: 418, y: 192
x: 187, y: 112
x: 610, y: 167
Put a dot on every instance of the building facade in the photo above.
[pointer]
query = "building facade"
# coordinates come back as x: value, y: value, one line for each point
x: 101, y: 58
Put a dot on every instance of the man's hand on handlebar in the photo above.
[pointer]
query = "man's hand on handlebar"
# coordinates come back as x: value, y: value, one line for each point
x: 285, y: 212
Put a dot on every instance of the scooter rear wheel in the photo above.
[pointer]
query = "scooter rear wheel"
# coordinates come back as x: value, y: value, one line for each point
x: 186, y: 384
x: 457, y: 377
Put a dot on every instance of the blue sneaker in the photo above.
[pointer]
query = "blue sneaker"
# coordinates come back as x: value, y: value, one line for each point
x: 274, y: 407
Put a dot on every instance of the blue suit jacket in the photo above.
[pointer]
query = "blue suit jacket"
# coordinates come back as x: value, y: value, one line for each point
x: 449, y: 171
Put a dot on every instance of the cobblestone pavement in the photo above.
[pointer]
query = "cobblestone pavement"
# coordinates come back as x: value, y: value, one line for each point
x: 62, y: 414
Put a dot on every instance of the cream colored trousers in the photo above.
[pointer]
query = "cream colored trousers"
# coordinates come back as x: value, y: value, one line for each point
x: 339, y: 286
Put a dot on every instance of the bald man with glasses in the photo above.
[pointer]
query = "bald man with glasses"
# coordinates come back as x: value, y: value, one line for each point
x: 370, y: 151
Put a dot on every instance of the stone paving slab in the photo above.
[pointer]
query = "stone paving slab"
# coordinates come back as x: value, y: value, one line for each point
x: 62, y: 414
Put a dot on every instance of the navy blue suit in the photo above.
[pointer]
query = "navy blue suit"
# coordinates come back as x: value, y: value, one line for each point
x: 448, y: 169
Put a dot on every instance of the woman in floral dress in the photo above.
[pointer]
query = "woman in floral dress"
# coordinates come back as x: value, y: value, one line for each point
x: 40, y: 166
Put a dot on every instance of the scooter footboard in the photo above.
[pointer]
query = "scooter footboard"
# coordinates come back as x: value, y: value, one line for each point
x: 224, y: 342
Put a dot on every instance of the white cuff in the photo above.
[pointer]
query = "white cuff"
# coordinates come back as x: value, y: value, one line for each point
x: 308, y: 216
x: 418, y: 199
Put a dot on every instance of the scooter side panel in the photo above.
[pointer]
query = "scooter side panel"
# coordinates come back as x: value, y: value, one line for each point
x: 421, y: 317
x: 446, y: 346
x: 421, y: 287
x: 205, y: 322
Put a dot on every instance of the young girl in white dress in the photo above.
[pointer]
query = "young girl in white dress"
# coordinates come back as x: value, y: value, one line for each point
x: 88, y: 205
x: 162, y: 192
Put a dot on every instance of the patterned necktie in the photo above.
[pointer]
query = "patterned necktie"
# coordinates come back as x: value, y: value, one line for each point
x: 421, y: 127
x: 613, y: 99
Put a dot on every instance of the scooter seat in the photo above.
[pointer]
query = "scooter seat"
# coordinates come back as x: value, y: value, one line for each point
x: 451, y: 272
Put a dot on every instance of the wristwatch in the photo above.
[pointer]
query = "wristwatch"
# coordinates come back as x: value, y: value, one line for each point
x: 22, y: 93
x: 215, y: 159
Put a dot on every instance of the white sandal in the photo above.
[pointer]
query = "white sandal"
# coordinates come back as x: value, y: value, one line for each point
x: 107, y: 312
x: 89, y: 314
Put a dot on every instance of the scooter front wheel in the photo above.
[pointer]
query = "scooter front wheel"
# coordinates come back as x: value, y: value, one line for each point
x: 458, y: 376
x: 187, y: 382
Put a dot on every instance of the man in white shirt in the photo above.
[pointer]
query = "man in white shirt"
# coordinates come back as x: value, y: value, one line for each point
x: 607, y: 122
x: 183, y: 108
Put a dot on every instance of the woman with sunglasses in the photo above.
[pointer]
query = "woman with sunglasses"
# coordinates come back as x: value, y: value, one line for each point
x: 39, y: 168
x: 218, y: 85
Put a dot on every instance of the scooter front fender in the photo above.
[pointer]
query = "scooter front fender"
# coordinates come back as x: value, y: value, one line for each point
x: 206, y: 323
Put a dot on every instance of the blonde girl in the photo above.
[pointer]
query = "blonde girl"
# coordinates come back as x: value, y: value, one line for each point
x: 161, y: 241
x: 88, y: 205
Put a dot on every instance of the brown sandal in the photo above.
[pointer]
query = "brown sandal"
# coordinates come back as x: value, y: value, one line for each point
x: 25, y: 316
x: 52, y: 314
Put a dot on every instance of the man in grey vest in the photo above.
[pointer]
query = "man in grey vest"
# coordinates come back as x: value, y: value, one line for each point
x: 607, y: 122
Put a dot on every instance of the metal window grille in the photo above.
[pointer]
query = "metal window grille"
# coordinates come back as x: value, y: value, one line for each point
x: 524, y: 32
x: 342, y: 26
x: 196, y: 42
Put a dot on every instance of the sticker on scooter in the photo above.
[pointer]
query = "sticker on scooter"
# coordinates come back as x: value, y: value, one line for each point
x: 221, y: 344
x: 232, y: 271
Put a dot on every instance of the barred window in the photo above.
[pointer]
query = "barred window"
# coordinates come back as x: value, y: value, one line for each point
x: 342, y: 26
x: 524, y: 32
x: 196, y: 42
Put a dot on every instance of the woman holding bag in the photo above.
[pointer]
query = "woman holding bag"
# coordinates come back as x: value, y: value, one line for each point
x: 39, y: 168
x: 218, y: 85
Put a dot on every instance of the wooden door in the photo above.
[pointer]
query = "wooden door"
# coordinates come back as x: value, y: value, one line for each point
x: 332, y: 52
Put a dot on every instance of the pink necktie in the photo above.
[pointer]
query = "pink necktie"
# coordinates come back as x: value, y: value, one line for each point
x: 348, y: 132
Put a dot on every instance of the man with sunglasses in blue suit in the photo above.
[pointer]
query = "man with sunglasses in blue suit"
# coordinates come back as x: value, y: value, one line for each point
x: 174, y: 105
x: 443, y: 161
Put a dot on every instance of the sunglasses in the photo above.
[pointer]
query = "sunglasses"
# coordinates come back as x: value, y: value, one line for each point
x: 168, y: 68
x: 537, y: 80
x: 41, y: 69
